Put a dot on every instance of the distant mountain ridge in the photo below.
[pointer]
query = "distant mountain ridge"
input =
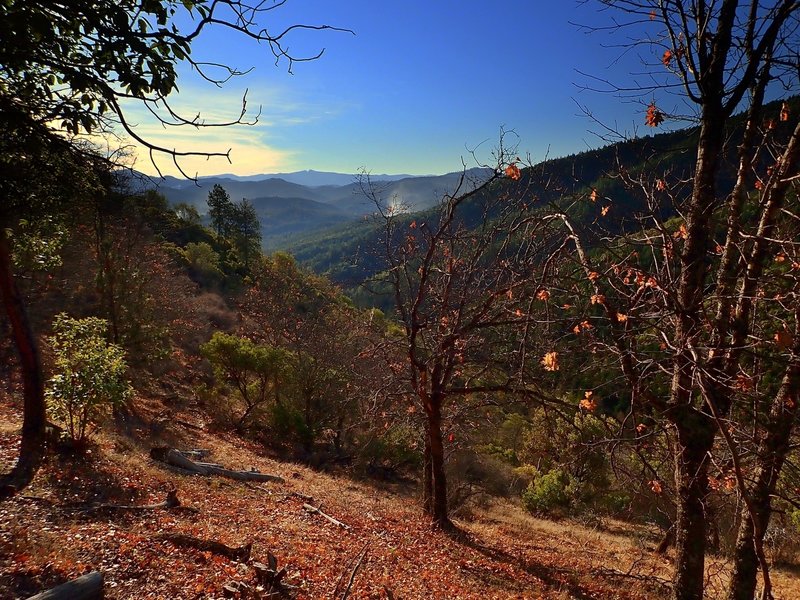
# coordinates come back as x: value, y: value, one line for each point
x: 312, y: 178
x: 287, y: 207
x: 350, y: 253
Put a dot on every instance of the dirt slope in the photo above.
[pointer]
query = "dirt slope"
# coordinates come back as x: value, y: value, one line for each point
x: 50, y: 533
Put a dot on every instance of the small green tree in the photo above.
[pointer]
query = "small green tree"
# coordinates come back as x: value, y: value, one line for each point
x: 255, y: 371
x: 90, y: 375
x: 204, y: 263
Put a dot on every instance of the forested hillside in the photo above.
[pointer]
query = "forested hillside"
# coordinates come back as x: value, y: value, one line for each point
x: 351, y: 253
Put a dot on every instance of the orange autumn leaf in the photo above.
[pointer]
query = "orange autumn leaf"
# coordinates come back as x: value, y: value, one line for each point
x: 550, y: 361
x: 655, y: 485
x: 784, y: 112
x: 412, y: 225
x: 641, y: 428
x: 604, y: 210
x: 593, y: 195
x: 682, y: 232
x: 593, y: 275
x: 598, y: 299
x: 661, y: 185
x: 780, y: 257
x: 654, y: 117
x: 543, y: 295
x: 582, y: 326
x: 653, y: 15
x: 622, y: 318
x: 783, y: 338
x: 759, y: 184
x: 589, y: 404
x: 667, y: 58
x: 513, y: 172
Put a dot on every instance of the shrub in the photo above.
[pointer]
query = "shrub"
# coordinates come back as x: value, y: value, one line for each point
x: 548, y: 494
x: 90, y: 375
x: 256, y: 372
x: 288, y: 425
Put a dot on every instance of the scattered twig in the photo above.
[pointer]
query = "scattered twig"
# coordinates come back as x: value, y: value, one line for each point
x: 38, y: 499
x: 346, y: 592
x: 241, y: 553
x: 318, y: 510
x: 303, y: 497
x: 171, y: 501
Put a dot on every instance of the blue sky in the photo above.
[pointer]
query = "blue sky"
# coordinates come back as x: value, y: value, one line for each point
x: 418, y: 85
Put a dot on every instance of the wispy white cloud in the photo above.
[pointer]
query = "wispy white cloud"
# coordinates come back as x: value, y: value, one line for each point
x: 254, y: 145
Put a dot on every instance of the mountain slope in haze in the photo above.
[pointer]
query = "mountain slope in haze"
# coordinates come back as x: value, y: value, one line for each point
x: 313, y: 178
x: 282, y: 217
x: 417, y: 193
x: 351, y: 253
x: 291, y: 208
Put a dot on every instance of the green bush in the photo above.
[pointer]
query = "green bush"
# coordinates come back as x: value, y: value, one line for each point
x: 549, y: 493
x: 256, y: 372
x: 90, y: 375
x: 288, y: 425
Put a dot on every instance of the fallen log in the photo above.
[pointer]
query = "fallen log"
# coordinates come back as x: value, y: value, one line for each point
x: 240, y: 554
x: 318, y: 510
x: 86, y: 587
x: 196, y: 453
x: 178, y: 459
x: 245, y: 475
x: 209, y: 464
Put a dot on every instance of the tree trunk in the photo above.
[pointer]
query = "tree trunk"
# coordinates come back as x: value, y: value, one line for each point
x: 427, y: 474
x: 695, y: 438
x: 438, y: 508
x: 695, y: 430
x: 770, y: 458
x: 34, y: 411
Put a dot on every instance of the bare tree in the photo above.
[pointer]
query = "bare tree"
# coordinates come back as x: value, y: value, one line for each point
x: 694, y: 294
x: 466, y: 279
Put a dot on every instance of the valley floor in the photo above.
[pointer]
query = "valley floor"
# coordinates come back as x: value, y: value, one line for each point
x: 49, y: 533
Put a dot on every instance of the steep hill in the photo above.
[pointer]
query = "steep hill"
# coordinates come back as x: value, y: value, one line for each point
x: 66, y: 524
